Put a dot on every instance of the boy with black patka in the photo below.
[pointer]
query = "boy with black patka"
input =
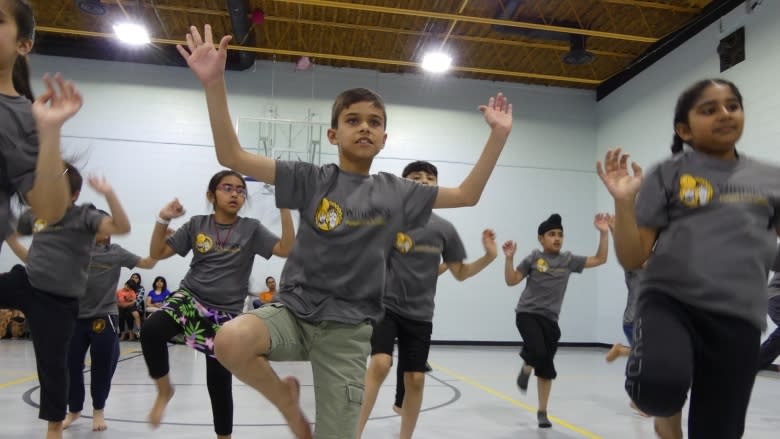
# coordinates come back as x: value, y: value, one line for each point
x: 536, y: 315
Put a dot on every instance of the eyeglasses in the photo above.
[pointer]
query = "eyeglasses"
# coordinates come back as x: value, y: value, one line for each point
x: 229, y: 188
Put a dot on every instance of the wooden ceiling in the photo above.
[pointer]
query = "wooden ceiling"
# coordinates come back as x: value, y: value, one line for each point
x: 507, y: 40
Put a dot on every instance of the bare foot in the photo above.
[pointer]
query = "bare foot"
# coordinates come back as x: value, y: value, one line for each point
x: 54, y: 431
x: 98, y: 421
x: 165, y: 392
x: 641, y: 413
x: 295, y: 418
x: 669, y: 428
x: 397, y: 409
x: 70, y: 418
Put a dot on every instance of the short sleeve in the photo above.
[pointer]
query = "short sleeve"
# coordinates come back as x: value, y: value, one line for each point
x: 524, y: 267
x: 127, y: 259
x: 417, y: 202
x: 453, y: 245
x: 652, y: 201
x: 181, y: 241
x: 263, y: 241
x: 92, y: 218
x: 577, y: 263
x: 296, y: 183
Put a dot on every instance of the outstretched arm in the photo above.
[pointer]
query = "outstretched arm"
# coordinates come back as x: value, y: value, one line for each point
x: 601, y: 222
x: 285, y: 243
x: 498, y: 115
x: 463, y: 271
x: 208, y: 64
x: 633, y: 244
x: 50, y: 195
x: 511, y: 276
x: 159, y: 248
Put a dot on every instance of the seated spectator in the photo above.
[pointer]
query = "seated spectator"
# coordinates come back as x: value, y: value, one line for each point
x: 129, y: 316
x: 268, y: 296
x: 156, y: 297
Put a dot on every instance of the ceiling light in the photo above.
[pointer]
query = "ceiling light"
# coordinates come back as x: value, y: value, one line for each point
x: 131, y: 33
x: 436, y: 62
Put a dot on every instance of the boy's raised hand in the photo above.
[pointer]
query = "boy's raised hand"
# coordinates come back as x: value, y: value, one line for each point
x: 206, y: 61
x: 498, y: 114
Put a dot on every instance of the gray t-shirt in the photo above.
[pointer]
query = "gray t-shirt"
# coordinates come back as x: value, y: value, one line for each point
x: 222, y: 258
x: 336, y: 270
x: 716, y: 222
x: 18, y: 154
x: 774, y: 286
x: 633, y: 279
x: 413, y: 267
x: 546, y: 278
x: 58, y: 260
x: 104, y: 270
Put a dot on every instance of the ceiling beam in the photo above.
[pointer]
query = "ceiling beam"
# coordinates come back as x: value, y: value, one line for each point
x: 485, y: 40
x: 337, y: 57
x: 655, y: 5
x: 470, y: 19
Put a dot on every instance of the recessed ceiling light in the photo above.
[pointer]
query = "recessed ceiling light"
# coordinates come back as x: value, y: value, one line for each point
x: 436, y: 62
x: 131, y: 33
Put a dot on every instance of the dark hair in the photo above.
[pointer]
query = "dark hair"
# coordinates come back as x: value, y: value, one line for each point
x: 217, y: 178
x: 686, y: 101
x: 269, y: 277
x: 139, y: 277
x: 131, y: 284
x: 353, y: 96
x: 74, y: 178
x: 420, y: 166
x: 165, y: 283
x: 25, y: 24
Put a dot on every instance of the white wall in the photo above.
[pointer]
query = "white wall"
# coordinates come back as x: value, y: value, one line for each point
x: 146, y: 128
x: 638, y: 116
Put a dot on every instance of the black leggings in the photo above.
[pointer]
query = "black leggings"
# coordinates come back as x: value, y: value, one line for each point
x: 126, y: 319
x: 99, y: 335
x: 158, y: 329
x: 51, y: 319
x: 679, y: 347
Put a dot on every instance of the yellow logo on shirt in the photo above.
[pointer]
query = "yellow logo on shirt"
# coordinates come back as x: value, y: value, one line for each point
x: 204, y: 243
x: 403, y: 242
x: 328, y: 216
x: 98, y: 325
x: 541, y: 266
x: 39, y: 225
x: 695, y: 191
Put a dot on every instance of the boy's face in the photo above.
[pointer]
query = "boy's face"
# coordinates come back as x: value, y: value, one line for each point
x: 552, y: 241
x: 360, y: 133
x: 423, y: 177
x: 271, y: 284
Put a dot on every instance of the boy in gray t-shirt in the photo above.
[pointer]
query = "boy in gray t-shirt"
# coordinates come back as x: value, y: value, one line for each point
x: 332, y: 284
x: 547, y: 273
x: 49, y: 288
x: 413, y: 270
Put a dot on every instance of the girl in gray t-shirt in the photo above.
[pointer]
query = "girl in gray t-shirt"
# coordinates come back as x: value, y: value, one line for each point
x: 212, y: 292
x: 706, y: 221
x: 30, y: 159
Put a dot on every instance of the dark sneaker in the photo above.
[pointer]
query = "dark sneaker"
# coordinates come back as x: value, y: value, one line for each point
x: 543, y: 421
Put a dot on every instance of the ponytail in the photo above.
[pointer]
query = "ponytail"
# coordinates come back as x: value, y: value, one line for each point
x: 21, y: 78
x: 677, y: 144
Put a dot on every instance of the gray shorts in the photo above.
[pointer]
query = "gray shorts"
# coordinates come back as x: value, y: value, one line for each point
x: 338, y: 353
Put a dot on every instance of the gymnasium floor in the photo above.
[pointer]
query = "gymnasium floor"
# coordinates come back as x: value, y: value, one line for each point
x: 471, y: 394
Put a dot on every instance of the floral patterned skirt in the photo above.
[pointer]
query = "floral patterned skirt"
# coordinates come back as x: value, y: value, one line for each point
x: 199, y: 324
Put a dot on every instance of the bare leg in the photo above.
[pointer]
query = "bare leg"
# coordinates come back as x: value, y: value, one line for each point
x: 543, y: 389
x: 165, y: 392
x: 375, y: 376
x: 669, y: 428
x: 54, y: 431
x: 414, y: 382
x: 241, y: 345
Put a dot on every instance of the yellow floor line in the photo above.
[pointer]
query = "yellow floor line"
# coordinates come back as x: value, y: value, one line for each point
x: 34, y: 377
x: 512, y: 401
